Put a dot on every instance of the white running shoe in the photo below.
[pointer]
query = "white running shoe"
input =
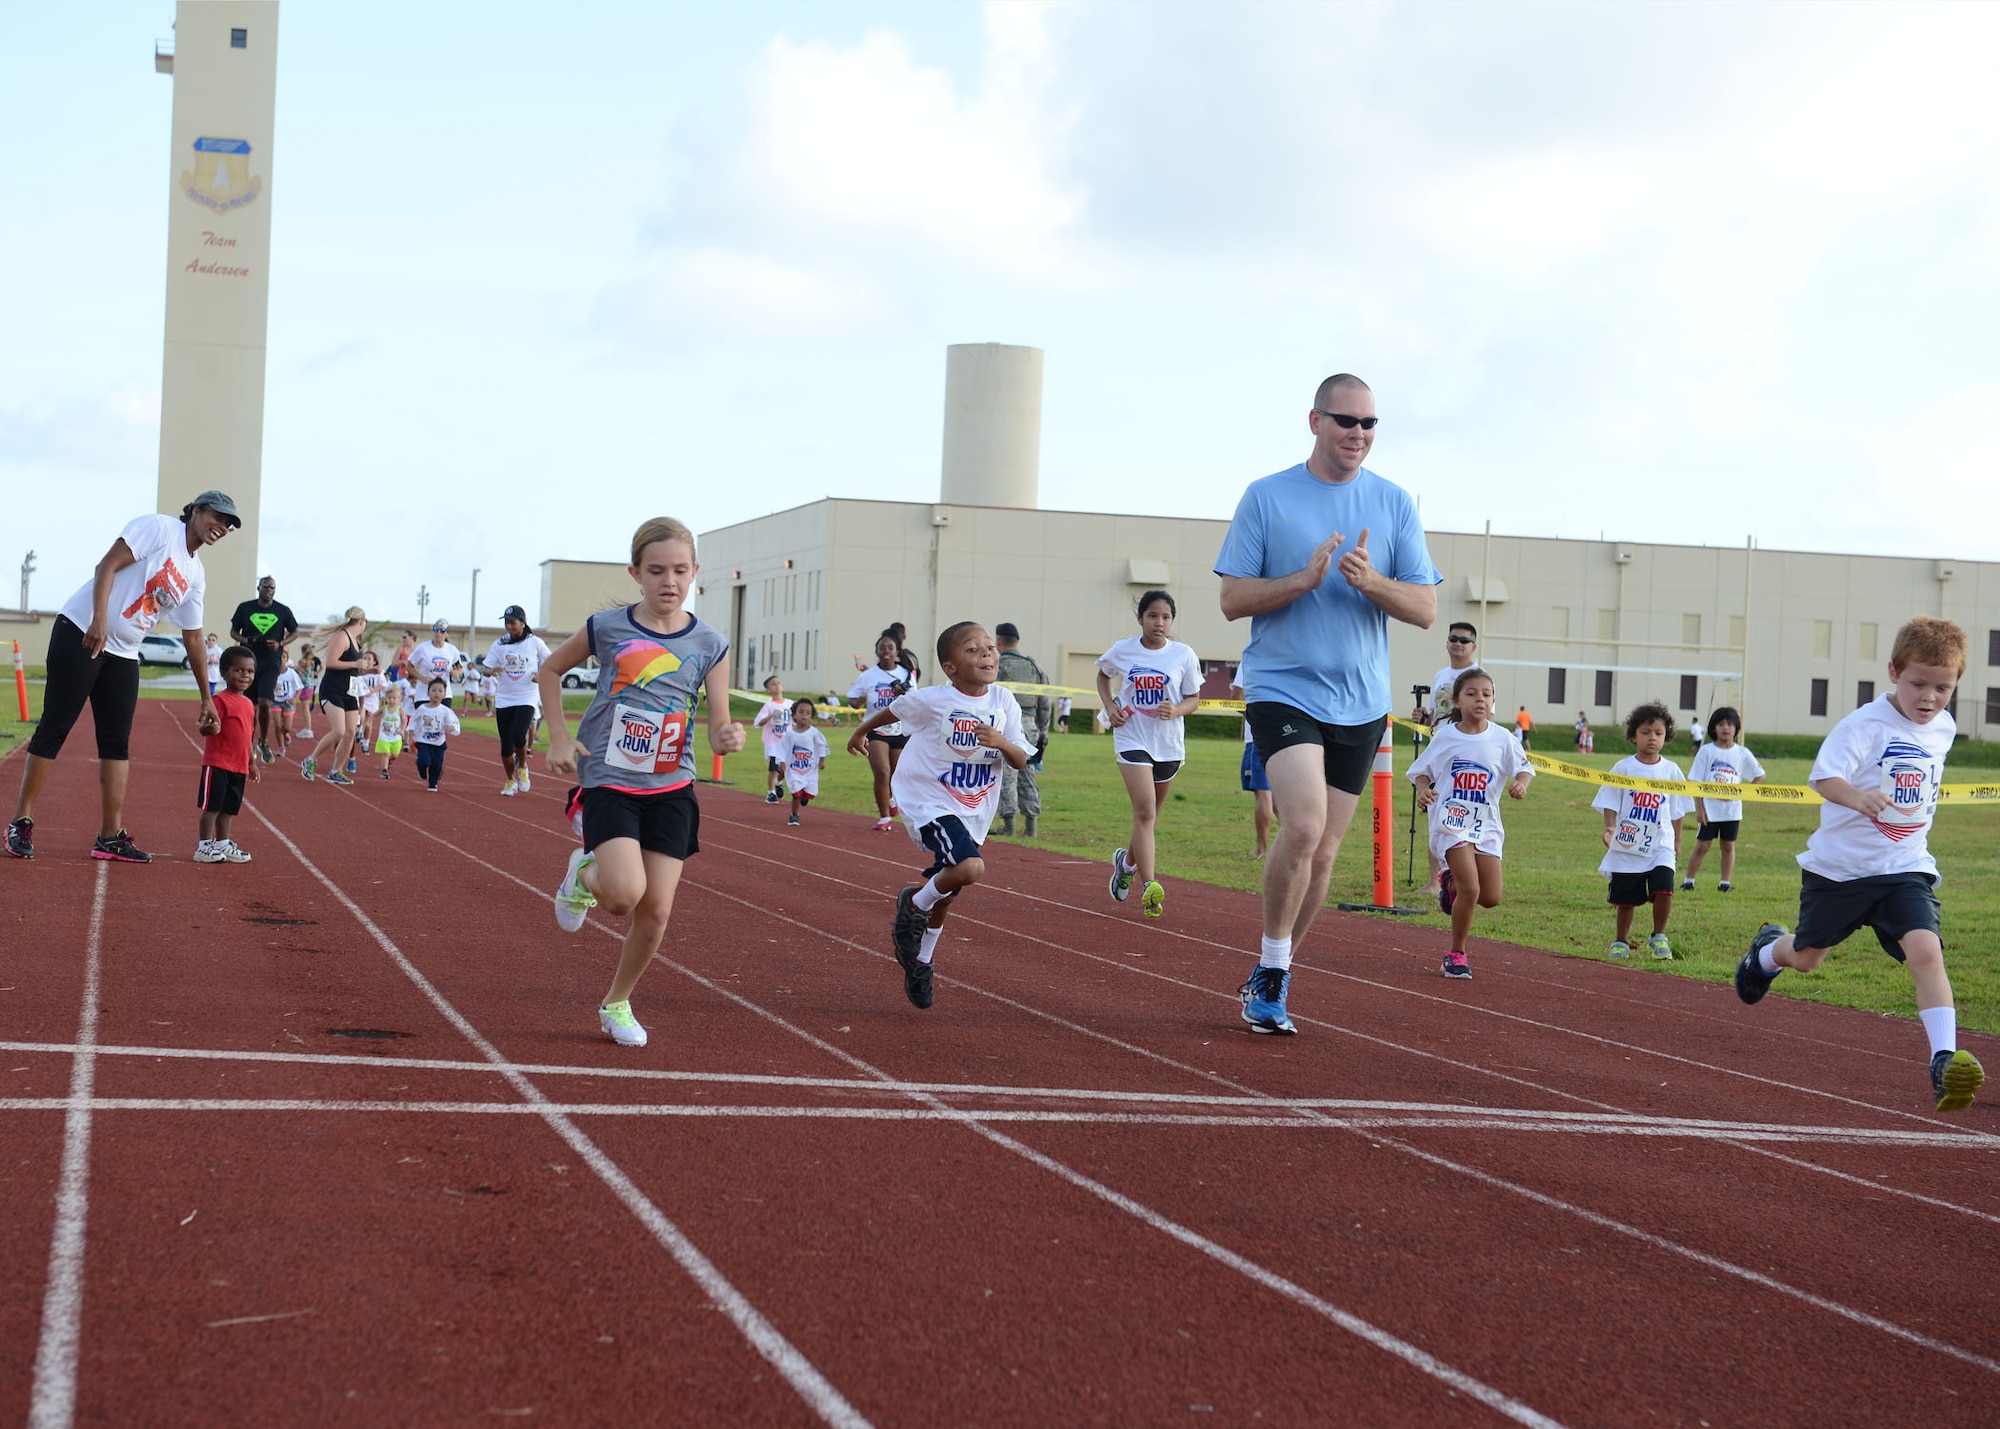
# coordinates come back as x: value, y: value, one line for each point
x: 521, y: 779
x: 507, y: 791
x: 207, y: 852
x: 620, y: 1025
x: 573, y: 900
x: 230, y: 852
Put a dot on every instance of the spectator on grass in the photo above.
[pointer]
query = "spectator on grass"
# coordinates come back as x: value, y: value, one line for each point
x: 1317, y: 665
x: 152, y: 570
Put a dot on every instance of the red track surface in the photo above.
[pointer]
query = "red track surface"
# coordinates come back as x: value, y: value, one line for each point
x: 1076, y: 1190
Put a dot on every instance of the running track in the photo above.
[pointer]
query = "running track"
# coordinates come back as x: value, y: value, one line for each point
x: 1075, y: 1191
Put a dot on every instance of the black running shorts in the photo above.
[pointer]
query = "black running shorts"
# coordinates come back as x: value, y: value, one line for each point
x: 1890, y: 904
x: 1348, y: 749
x: 668, y: 823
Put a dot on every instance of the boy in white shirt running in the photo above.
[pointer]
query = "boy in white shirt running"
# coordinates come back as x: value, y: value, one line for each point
x: 1720, y: 761
x: 429, y: 725
x: 803, y: 751
x: 947, y: 784
x: 1642, y: 829
x: 1869, y: 864
x: 771, y: 719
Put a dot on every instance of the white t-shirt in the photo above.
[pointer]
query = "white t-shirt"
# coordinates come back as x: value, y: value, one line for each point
x: 1696, y: 734
x: 514, y: 664
x: 434, y: 662
x: 367, y: 687
x: 429, y: 724
x: 944, y: 770
x: 165, y: 579
x: 1715, y: 765
x: 772, y: 718
x: 1146, y: 680
x: 1878, y: 748
x: 1470, y: 773
x: 288, y: 688
x: 874, y: 685
x: 1441, y: 684
x: 801, y: 750
x: 1642, y: 838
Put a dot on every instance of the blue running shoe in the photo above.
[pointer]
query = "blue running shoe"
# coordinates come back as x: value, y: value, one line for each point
x: 1264, y: 1001
x: 1955, y: 1077
x: 1752, y: 982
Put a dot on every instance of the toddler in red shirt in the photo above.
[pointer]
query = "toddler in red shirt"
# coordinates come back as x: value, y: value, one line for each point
x: 225, y: 758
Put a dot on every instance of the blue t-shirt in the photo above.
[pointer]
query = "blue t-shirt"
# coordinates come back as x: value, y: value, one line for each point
x: 1326, y: 653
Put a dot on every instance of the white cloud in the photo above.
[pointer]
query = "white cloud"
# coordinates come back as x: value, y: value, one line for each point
x: 720, y: 292
x: 115, y: 432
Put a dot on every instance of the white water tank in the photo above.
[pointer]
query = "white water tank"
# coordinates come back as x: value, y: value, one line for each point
x: 992, y: 425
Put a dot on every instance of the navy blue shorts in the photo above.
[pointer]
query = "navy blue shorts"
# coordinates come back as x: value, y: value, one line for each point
x: 949, y: 841
x: 1254, y: 778
x: 1890, y: 905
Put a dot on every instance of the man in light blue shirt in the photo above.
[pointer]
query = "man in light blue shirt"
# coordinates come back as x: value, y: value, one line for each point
x: 1320, y: 557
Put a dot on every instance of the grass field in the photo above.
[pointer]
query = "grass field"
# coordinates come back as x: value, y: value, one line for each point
x: 1555, y: 897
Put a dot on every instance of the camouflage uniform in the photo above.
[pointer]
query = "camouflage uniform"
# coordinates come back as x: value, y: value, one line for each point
x: 1019, y: 792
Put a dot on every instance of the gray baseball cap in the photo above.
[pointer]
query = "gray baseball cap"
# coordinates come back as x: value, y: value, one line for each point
x: 220, y: 502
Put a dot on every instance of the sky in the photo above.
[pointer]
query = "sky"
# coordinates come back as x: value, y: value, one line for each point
x: 1686, y: 273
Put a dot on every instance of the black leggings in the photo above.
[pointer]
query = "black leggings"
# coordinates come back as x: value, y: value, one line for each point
x: 109, y: 684
x: 516, y: 724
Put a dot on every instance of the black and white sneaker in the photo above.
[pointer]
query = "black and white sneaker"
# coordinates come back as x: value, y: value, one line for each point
x: 21, y: 838
x: 1752, y: 982
x: 908, y: 933
x: 772, y: 796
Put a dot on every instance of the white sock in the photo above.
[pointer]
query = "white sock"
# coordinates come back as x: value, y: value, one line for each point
x: 929, y: 946
x: 1941, y: 1026
x: 926, y: 898
x: 1276, y: 953
x: 1767, y: 964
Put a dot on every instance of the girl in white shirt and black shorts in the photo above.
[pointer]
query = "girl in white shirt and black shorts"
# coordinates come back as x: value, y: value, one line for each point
x: 1149, y: 684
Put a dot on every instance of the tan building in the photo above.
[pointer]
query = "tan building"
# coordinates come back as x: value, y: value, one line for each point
x: 1565, y: 625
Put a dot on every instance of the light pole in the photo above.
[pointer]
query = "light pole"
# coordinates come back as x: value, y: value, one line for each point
x: 472, y: 621
x: 423, y: 603
x: 27, y: 569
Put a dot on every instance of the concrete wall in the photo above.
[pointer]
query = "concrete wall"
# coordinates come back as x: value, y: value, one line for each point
x: 1068, y: 580
x: 573, y: 590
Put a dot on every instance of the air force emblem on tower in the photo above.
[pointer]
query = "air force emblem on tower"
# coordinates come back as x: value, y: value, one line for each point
x: 221, y: 177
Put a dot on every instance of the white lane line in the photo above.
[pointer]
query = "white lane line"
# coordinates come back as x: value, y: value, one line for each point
x: 800, y: 1373
x: 1412, y: 1355
x: 1646, y: 1237
x: 1272, y: 1114
x: 52, y: 1404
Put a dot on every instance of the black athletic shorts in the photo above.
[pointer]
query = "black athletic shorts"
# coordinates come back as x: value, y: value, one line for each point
x: 221, y: 790
x: 1726, y: 830
x: 1891, y: 904
x: 339, y: 702
x: 894, y: 741
x: 1349, y: 749
x: 1633, y: 890
x: 668, y: 823
x: 109, y: 684
x: 515, y: 725
x: 949, y: 841
x: 264, y: 688
x: 1164, y: 770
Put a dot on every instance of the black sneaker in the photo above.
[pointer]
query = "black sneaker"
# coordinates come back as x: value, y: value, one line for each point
x: 119, y: 848
x: 1955, y: 1077
x: 794, y: 819
x: 772, y: 796
x: 908, y: 933
x: 1447, y: 891
x: 1752, y: 982
x: 21, y: 838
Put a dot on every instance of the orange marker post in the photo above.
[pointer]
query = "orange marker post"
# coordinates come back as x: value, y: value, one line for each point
x: 1385, y: 833
x: 21, y: 682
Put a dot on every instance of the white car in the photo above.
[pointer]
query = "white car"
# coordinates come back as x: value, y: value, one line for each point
x: 162, y: 650
x: 583, y: 677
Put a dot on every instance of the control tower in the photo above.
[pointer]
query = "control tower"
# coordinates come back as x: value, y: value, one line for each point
x: 224, y: 63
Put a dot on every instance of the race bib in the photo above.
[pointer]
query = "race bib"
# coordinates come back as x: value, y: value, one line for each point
x: 646, y: 741
x: 1634, y: 838
x: 1463, y: 820
x: 959, y: 730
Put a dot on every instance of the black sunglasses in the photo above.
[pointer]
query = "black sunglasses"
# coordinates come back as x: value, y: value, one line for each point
x: 1344, y: 422
x: 1458, y: 640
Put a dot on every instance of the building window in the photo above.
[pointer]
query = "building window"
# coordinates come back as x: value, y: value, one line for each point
x: 1864, y: 692
x: 1559, y: 685
x: 1603, y: 693
x: 1559, y: 622
x: 1992, y: 705
x: 239, y: 39
x: 1687, y: 692
x: 1607, y: 625
x: 1818, y: 707
x: 1690, y: 630
x: 1822, y: 640
x: 1736, y: 632
x: 1993, y: 647
x: 1864, y: 644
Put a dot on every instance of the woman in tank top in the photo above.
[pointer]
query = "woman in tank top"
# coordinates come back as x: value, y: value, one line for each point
x: 336, y: 700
